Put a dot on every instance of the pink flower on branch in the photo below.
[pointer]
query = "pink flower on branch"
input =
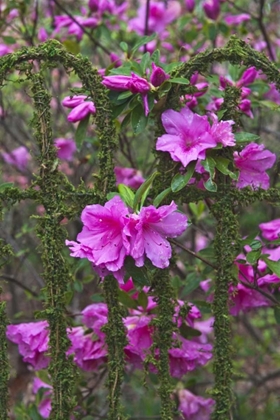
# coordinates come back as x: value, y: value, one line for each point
x: 148, y: 232
x: 32, y: 339
x: 252, y: 162
x: 65, y: 148
x: 271, y: 230
x: 102, y: 240
x: 112, y: 232
x: 188, y: 136
x: 19, y: 157
x: 194, y: 407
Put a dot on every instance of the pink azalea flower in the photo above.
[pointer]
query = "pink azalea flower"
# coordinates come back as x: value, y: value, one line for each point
x: 65, y: 148
x: 244, y: 299
x: 102, y: 240
x: 101, y: 6
x: 89, y: 352
x: 4, y: 49
x: 188, y: 136
x: 188, y: 357
x: 32, y: 339
x: 194, y: 407
x: 95, y: 316
x: 128, y: 176
x: 222, y: 131
x: 19, y: 157
x: 235, y: 20
x: 271, y: 230
x: 212, y: 9
x: 148, y: 232
x: 45, y: 405
x: 139, y: 334
x: 273, y: 94
x: 252, y: 162
x: 160, y: 15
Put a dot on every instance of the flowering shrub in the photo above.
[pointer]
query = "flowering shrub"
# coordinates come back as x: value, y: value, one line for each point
x: 162, y: 183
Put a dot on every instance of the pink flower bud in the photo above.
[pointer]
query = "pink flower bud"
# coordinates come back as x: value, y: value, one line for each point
x: 158, y: 76
x: 190, y: 5
x: 212, y: 9
x: 248, y: 77
x: 73, y: 101
x: 42, y: 35
x: 81, y: 111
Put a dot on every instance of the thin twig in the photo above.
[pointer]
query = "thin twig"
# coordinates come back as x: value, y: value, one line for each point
x: 193, y: 253
x: 18, y: 283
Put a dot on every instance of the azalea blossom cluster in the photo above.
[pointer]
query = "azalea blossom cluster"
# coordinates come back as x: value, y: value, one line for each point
x: 189, y: 135
x: 89, y: 349
x: 112, y: 232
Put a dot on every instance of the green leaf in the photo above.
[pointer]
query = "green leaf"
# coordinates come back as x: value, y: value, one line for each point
x: 180, y: 181
x: 274, y: 266
x: 204, y: 307
x: 138, y: 119
x: 143, y: 190
x: 118, y: 109
x: 126, y: 194
x: 145, y: 62
x: 81, y: 132
x: 110, y: 195
x: 139, y: 274
x: 245, y: 137
x: 197, y: 208
x: 222, y: 166
x: 155, y: 57
x: 193, y: 281
x: 255, y: 245
x: 188, y: 332
x: 71, y: 46
x: 221, y: 113
x: 6, y: 185
x: 179, y: 81
x: 124, y: 46
x: 68, y: 296
x: 125, y: 95
x: 269, y: 104
x: 250, y: 238
x: 9, y: 40
x: 210, y: 185
x: 126, y: 300
x: 124, y: 70
x: 142, y: 41
x: 277, y: 314
x: 161, y: 196
x: 143, y: 300
x: 209, y: 165
x: 253, y: 256
x: 125, y: 121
